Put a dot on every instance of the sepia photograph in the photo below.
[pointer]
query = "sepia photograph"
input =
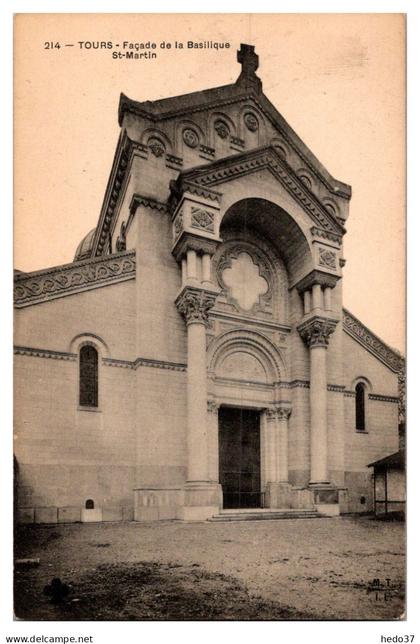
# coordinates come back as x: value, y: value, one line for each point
x: 209, y: 317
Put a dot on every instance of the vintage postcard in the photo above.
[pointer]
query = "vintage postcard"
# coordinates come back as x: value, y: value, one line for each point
x: 209, y: 326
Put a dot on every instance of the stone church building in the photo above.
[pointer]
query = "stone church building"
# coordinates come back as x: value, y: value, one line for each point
x: 195, y: 357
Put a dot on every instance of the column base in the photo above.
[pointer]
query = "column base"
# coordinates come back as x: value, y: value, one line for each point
x: 325, y: 498
x: 202, y: 500
x: 278, y: 495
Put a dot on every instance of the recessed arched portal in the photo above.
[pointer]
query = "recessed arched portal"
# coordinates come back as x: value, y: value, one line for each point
x: 246, y: 373
x: 273, y: 223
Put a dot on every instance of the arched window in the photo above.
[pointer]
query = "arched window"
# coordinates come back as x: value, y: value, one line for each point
x: 360, y: 407
x: 90, y: 504
x: 88, y: 376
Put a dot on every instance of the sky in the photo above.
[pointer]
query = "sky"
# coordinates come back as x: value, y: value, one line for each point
x: 338, y: 79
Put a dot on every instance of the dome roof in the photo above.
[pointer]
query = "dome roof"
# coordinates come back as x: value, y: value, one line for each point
x: 84, y: 249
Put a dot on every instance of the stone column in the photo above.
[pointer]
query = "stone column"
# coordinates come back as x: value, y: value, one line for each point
x: 282, y: 444
x: 213, y: 440
x: 315, y: 332
x: 200, y: 499
x: 270, y: 446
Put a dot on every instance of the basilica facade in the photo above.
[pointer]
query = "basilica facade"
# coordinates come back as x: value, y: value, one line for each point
x: 195, y: 357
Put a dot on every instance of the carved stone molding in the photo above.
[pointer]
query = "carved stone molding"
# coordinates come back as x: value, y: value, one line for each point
x: 159, y: 364
x: 44, y: 353
x: 235, y: 140
x: 382, y: 398
x: 148, y: 202
x: 353, y: 327
x: 194, y: 304
x: 316, y: 331
x: 41, y: 286
x: 179, y: 187
x: 324, y: 234
x: 317, y: 277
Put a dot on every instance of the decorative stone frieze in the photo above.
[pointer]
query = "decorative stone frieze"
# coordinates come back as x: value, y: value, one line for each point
x: 359, y: 332
x: 316, y: 331
x: 48, y: 284
x: 194, y: 304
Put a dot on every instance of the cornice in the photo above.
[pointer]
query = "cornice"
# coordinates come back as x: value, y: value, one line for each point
x: 160, y: 364
x: 369, y: 341
x: 44, y: 353
x: 108, y: 362
x: 383, y: 398
x: 68, y: 279
x: 112, y: 195
x: 266, y: 157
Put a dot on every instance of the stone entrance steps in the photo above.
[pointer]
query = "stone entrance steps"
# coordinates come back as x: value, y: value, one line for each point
x: 264, y: 515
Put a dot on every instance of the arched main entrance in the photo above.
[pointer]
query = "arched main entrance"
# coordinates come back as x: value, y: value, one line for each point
x: 248, y: 444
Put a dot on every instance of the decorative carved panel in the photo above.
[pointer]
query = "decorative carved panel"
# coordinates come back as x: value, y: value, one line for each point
x: 202, y: 219
x: 327, y: 258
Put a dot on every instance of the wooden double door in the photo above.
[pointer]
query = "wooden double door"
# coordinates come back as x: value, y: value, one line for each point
x: 240, y: 457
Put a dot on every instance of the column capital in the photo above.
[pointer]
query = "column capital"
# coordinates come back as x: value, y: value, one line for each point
x: 195, y: 303
x: 316, y: 330
x: 271, y: 414
x: 283, y: 412
x: 212, y: 407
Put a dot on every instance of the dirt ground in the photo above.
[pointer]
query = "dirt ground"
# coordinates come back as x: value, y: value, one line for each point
x: 294, y: 569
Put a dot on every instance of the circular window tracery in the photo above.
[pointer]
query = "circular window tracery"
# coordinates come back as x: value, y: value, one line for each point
x: 190, y: 138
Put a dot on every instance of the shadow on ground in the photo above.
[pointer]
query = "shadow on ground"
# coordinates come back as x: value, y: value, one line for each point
x: 148, y: 591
